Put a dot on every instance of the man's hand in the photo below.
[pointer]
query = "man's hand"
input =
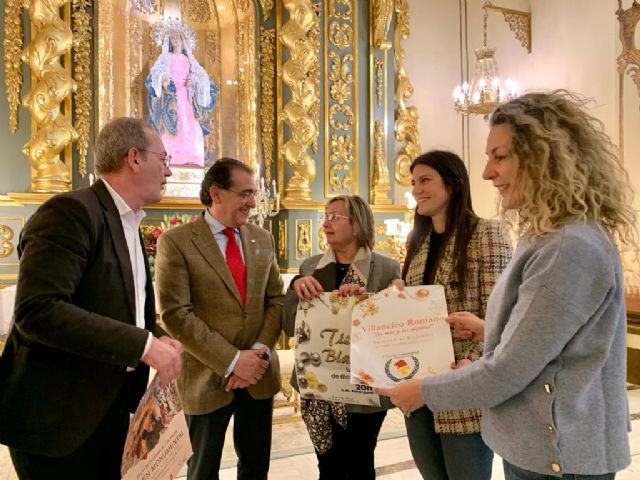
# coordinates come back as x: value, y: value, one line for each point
x: 250, y: 367
x: 164, y: 356
x: 234, y: 381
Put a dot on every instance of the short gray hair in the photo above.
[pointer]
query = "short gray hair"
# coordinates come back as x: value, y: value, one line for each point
x: 361, y: 216
x: 114, y: 141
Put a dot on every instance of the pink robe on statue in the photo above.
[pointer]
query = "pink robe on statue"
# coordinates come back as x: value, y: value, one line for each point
x: 187, y: 146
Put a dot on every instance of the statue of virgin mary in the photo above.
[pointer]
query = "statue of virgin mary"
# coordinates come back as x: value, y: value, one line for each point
x: 181, y: 95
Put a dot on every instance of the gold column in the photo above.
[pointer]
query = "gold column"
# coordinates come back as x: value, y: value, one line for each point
x: 49, y: 99
x: 304, y: 95
x: 406, y: 124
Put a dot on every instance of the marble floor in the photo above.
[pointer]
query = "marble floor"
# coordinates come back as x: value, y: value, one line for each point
x: 293, y: 458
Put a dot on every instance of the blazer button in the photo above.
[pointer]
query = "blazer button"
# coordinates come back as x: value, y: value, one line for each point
x: 550, y: 428
x: 548, y: 388
x: 555, y: 467
x: 244, y: 315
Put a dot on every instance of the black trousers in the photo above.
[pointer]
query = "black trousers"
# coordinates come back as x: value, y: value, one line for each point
x: 251, y: 438
x: 351, y: 454
x: 98, y: 458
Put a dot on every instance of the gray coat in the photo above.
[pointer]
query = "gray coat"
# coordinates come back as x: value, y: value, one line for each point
x: 381, y: 272
x: 552, y: 381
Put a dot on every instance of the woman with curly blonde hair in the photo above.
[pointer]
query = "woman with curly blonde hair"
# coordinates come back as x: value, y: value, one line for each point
x: 552, y: 381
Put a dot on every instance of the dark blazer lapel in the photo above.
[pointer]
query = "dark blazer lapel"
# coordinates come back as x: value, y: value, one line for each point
x: 206, y: 244
x: 114, y: 225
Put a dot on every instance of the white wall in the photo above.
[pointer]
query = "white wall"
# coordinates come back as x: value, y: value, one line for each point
x: 575, y: 46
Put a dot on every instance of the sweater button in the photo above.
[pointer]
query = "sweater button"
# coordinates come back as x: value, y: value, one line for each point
x: 549, y: 389
x: 555, y: 467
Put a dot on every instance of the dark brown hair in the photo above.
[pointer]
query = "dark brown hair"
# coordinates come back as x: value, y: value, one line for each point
x: 461, y: 219
x: 219, y: 175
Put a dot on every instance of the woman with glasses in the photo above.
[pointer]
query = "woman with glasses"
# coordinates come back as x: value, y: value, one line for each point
x: 552, y: 383
x: 451, y: 246
x: 344, y: 436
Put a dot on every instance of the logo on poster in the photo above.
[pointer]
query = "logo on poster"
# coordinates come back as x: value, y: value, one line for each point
x: 402, y: 368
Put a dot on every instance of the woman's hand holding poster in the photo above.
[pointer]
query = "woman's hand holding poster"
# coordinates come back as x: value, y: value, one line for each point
x: 397, y: 335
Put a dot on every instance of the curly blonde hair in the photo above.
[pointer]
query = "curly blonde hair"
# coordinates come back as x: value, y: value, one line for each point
x: 568, y: 168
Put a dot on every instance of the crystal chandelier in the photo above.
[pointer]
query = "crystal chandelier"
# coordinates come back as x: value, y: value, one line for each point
x: 485, y: 92
x: 267, y: 201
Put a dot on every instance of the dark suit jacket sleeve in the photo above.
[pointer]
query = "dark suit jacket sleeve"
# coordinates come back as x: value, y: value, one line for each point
x: 57, y: 248
x: 273, y: 300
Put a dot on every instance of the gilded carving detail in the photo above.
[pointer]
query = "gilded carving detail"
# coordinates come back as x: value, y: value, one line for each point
x: 82, y: 76
x: 379, y: 80
x: 134, y: 67
x: 267, y: 6
x: 380, y: 180
x: 146, y: 6
x: 296, y: 75
x: 282, y: 239
x: 406, y: 117
x: 6, y: 235
x: 196, y: 10
x: 629, y: 59
x: 267, y: 75
x: 12, y: 64
x: 340, y: 34
x: 341, y: 120
x: 519, y: 23
x: 382, y: 15
x: 303, y: 238
x: 51, y: 38
x: 322, y: 240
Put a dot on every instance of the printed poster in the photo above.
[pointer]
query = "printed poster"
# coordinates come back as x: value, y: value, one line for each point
x: 322, y: 351
x: 157, y: 445
x: 400, y: 334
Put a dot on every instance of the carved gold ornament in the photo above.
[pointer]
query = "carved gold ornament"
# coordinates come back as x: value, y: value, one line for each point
x: 6, y: 235
x: 303, y: 239
x: 379, y: 80
x: 51, y: 39
x: 341, y: 125
x: 382, y: 15
x: 282, y: 239
x: 380, y: 181
x: 12, y: 63
x: 267, y: 75
x: 519, y: 23
x: 82, y: 76
x: 406, y: 117
x: 196, y: 10
x: 629, y: 59
x: 267, y: 6
x: 296, y: 75
x: 322, y: 240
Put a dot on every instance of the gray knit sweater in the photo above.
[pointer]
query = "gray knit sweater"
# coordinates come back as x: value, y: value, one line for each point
x: 552, y: 382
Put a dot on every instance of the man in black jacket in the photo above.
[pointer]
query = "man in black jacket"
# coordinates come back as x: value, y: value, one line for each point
x: 77, y: 359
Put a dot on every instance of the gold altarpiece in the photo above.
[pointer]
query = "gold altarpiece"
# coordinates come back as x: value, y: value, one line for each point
x: 312, y: 93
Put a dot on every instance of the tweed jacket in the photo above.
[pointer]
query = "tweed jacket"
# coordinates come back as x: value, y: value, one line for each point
x: 200, y: 305
x: 552, y: 381
x: 488, y: 253
x: 382, y: 271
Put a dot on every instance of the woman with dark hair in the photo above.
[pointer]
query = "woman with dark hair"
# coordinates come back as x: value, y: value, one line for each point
x: 344, y: 435
x: 451, y: 246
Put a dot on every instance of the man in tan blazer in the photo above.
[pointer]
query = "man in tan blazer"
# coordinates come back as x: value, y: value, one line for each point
x: 220, y: 294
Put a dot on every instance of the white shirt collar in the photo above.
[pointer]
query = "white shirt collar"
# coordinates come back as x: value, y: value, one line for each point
x: 122, y: 206
x: 216, y: 225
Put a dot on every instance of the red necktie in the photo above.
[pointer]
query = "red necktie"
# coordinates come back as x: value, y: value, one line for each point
x: 235, y: 263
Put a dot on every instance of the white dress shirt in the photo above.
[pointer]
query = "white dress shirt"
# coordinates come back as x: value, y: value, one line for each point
x: 131, y: 225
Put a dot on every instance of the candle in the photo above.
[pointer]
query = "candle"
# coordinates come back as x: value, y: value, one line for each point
x: 273, y: 187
